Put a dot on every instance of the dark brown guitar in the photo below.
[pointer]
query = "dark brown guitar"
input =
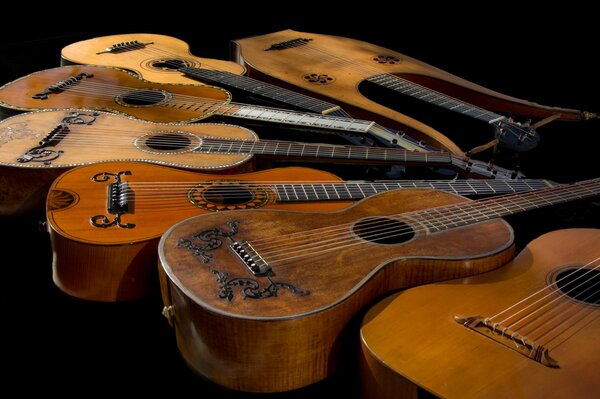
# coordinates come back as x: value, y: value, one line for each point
x: 527, y: 330
x: 36, y: 147
x: 105, y: 219
x: 335, y: 67
x: 266, y: 295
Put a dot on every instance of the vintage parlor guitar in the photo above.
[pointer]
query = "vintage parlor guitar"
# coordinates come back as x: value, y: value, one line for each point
x: 112, y: 89
x: 336, y: 66
x: 36, y: 147
x: 165, y: 59
x: 260, y: 298
x: 105, y: 219
x: 527, y: 330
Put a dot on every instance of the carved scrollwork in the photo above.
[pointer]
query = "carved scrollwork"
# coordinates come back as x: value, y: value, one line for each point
x: 251, y: 288
x: 210, y: 240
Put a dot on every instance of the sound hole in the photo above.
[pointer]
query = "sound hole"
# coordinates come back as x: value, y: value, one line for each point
x: 168, y: 142
x: 580, y: 284
x: 227, y: 195
x: 383, y: 230
x: 172, y: 64
x: 143, y: 97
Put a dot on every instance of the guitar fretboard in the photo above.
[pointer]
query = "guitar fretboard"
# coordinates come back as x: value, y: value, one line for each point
x: 452, y: 216
x: 360, y: 190
x: 320, y: 150
x: 433, y: 97
x: 251, y: 85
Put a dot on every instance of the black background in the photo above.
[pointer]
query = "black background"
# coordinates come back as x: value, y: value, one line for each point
x: 71, y: 347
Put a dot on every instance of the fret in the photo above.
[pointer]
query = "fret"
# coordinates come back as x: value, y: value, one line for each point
x: 254, y: 86
x: 345, y: 192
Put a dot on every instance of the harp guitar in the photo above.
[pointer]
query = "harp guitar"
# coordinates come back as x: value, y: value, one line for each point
x: 336, y: 67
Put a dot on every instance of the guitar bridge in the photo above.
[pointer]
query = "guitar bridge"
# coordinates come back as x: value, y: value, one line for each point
x: 510, y: 339
x: 250, y: 258
x: 119, y: 200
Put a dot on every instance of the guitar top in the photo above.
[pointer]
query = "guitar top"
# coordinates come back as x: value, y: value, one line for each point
x: 527, y: 330
x: 72, y: 137
x: 110, y: 89
x: 156, y: 58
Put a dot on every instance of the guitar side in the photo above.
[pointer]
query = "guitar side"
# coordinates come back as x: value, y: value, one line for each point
x: 410, y: 339
x: 155, y: 60
x: 287, y: 327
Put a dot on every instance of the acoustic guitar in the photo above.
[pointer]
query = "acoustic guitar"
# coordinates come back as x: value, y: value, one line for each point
x: 338, y: 67
x: 165, y: 59
x: 36, y: 147
x: 156, y: 58
x: 116, y: 90
x: 105, y: 219
x: 259, y: 299
x: 526, y: 330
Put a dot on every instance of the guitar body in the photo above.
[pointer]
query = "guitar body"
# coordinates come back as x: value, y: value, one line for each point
x: 411, y: 340
x: 282, y: 331
x: 98, y: 261
x: 334, y: 67
x: 156, y: 61
x: 109, y: 89
x: 95, y: 136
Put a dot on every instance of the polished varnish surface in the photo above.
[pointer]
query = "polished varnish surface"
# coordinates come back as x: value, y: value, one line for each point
x: 412, y: 339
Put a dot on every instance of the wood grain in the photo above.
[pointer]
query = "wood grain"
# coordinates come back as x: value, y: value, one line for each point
x: 410, y: 339
x: 288, y: 341
x: 148, y: 62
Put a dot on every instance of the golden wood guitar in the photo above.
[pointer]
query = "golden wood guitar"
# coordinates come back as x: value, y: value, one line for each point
x: 156, y: 58
x: 163, y: 59
x: 105, y: 219
x: 335, y: 67
x: 527, y: 330
x: 259, y: 299
x: 36, y: 147
x: 116, y: 90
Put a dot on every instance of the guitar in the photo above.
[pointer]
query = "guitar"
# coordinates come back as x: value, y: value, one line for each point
x: 165, y: 59
x: 144, y: 200
x: 156, y: 58
x: 36, y: 147
x: 336, y: 66
x: 530, y: 331
x: 260, y: 299
x: 116, y: 90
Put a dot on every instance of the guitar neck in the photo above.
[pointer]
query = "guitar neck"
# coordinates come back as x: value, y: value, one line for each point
x: 256, y: 87
x: 423, y: 93
x: 298, y: 101
x: 358, y: 190
x: 452, y: 216
x: 291, y: 149
x: 286, y: 117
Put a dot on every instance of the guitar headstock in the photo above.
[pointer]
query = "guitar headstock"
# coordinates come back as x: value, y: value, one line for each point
x: 515, y: 135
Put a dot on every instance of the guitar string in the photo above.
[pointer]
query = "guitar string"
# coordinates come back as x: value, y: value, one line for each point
x: 558, y: 320
x: 153, y: 50
x: 324, y: 56
x: 534, y: 305
x: 78, y: 135
x: 156, y: 192
x: 304, y: 241
x: 109, y: 92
